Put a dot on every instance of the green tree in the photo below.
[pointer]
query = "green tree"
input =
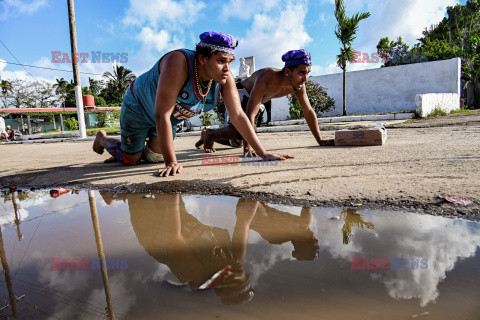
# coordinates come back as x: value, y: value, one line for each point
x: 345, y: 31
x: 43, y: 94
x: 318, y: 98
x: 95, y: 86
x: 61, y: 89
x: 20, y: 96
x: 120, y: 79
x: 7, y: 88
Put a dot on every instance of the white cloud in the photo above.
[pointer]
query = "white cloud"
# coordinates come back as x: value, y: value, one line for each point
x: 33, y: 74
x: 163, y: 12
x: 407, y: 19
x: 160, y: 41
x: 442, y: 241
x: 11, y: 7
x: 246, y: 9
x: 274, y: 33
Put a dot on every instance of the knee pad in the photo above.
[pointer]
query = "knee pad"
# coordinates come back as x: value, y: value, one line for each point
x: 153, y: 157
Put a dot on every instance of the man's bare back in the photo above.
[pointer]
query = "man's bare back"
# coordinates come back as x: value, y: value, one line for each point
x: 272, y: 78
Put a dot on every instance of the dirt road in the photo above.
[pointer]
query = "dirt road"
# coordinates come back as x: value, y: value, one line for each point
x: 420, y: 161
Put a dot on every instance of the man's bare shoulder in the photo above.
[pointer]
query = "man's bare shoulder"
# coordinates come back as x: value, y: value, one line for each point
x: 173, y: 59
x: 266, y: 73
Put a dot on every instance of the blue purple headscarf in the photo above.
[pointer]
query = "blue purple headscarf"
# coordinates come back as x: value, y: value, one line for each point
x: 218, y: 41
x: 296, y: 57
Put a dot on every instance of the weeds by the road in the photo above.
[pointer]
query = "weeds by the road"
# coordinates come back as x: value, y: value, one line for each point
x: 437, y: 112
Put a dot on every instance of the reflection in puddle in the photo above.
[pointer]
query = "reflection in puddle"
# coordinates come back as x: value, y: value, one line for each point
x: 159, y: 252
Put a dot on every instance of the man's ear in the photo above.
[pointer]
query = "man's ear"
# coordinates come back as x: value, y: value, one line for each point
x: 202, y: 59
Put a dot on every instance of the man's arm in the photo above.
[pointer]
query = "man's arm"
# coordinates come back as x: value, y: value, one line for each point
x: 311, y: 117
x: 241, y: 122
x: 255, y: 100
x: 173, y: 73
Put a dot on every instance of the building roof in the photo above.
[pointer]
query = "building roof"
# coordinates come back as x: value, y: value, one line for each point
x: 48, y: 110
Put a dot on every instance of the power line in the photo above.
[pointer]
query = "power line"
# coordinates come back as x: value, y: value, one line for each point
x: 17, y: 60
x: 38, y: 67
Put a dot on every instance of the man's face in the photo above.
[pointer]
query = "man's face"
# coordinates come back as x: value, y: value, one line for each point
x: 218, y: 66
x: 299, y: 76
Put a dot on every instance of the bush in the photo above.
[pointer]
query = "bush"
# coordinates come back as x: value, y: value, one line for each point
x: 208, y: 118
x: 437, y: 112
x: 102, y: 118
x: 99, y: 101
x: 71, y: 123
x: 318, y: 97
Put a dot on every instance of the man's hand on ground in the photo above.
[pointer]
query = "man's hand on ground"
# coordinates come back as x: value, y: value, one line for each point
x: 249, y: 152
x: 329, y: 142
x: 277, y: 156
x: 170, y: 169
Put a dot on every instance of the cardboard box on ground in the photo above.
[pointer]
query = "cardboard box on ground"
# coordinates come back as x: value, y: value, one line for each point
x: 375, y: 136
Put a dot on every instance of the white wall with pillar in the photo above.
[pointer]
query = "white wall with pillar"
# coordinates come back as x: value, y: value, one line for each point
x: 384, y: 89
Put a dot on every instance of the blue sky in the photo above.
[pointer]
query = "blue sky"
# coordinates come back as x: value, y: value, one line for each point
x: 147, y: 29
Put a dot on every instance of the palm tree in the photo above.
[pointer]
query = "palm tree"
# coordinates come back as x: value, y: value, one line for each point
x: 6, y: 88
x: 121, y: 78
x: 61, y: 88
x: 345, y: 31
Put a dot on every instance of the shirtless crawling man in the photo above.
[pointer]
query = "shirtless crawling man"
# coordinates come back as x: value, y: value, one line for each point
x: 262, y: 86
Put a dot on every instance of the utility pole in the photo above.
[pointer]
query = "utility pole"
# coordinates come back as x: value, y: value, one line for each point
x: 17, y: 219
x: 76, y: 74
x: 8, y: 280
x: 101, y: 255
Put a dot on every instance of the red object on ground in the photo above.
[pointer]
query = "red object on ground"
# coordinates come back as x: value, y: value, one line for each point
x: 216, y: 279
x: 58, y: 192
x: 88, y: 101
x: 12, y: 188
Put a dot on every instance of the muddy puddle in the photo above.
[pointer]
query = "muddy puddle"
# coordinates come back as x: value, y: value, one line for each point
x: 218, y: 257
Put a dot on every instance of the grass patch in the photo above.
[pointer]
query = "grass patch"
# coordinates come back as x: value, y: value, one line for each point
x: 108, y: 130
x: 91, y: 131
x: 463, y: 111
x: 437, y: 112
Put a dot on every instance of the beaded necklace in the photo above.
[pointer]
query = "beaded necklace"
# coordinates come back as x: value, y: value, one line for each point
x: 200, y: 86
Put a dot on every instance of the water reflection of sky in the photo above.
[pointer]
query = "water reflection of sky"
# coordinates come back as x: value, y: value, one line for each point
x: 62, y: 227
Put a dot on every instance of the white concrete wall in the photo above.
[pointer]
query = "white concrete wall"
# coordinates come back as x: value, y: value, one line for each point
x: 426, y: 103
x: 384, y: 89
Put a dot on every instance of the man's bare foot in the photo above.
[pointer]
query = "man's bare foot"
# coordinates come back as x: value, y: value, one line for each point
x: 110, y: 160
x: 97, y: 144
x: 206, y: 140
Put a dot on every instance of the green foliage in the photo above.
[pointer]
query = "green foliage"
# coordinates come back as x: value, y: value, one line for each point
x: 345, y: 31
x: 102, y: 118
x: 117, y: 83
x: 71, y: 123
x: 318, y: 98
x: 208, y: 118
x: 463, y: 111
x: 99, y: 101
x: 108, y: 130
x: 106, y: 117
x: 95, y: 86
x: 437, y: 112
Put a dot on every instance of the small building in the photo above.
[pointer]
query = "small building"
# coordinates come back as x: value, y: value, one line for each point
x: 38, y: 120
